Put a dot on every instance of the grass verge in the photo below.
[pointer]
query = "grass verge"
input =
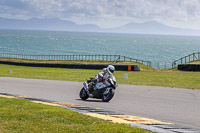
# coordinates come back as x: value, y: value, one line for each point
x: 24, y: 116
x: 152, y: 77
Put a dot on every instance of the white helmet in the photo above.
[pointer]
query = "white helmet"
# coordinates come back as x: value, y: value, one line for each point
x: 110, y: 69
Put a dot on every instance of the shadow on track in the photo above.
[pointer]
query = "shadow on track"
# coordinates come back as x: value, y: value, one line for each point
x: 97, y: 101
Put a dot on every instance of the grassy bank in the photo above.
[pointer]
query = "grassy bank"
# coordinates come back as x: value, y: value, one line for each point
x: 148, y: 76
x: 23, y: 116
x: 194, y: 62
x: 142, y: 66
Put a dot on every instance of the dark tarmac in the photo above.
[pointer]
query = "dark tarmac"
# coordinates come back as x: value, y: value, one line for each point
x: 174, y: 105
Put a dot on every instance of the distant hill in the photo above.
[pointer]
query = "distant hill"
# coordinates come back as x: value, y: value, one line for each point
x: 46, y: 24
x: 150, y: 27
x: 153, y: 27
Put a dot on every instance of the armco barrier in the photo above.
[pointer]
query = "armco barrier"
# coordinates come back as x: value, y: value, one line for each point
x: 189, y: 67
x: 74, y: 65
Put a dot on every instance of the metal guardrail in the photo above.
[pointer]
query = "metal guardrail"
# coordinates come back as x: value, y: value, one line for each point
x: 116, y: 58
x: 186, y: 59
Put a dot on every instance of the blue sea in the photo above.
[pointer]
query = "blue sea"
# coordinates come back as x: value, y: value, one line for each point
x: 161, y: 50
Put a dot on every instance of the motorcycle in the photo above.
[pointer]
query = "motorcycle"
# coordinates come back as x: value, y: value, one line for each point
x: 102, y: 90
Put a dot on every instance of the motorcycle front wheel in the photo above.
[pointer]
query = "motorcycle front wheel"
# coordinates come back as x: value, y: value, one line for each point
x: 107, y: 97
x: 83, y: 94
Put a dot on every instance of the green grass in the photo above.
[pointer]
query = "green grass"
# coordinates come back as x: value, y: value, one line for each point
x: 194, y: 62
x: 148, y: 77
x: 21, y: 116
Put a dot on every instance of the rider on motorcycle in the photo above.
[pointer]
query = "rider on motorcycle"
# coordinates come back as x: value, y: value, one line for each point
x: 105, y: 74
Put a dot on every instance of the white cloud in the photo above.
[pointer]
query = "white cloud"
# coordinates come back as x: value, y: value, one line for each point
x: 45, y: 8
x: 109, y: 13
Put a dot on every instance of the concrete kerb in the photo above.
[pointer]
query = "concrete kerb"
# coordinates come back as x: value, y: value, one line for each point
x: 153, y: 125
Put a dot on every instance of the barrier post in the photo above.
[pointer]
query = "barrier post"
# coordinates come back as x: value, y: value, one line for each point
x: 129, y: 68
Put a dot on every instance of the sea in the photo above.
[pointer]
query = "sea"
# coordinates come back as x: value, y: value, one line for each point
x: 161, y: 50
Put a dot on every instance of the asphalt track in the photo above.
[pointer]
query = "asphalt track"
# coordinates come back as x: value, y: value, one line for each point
x: 174, y: 105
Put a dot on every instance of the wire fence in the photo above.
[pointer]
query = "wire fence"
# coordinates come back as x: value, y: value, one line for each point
x: 161, y: 65
x: 186, y: 59
x: 116, y: 58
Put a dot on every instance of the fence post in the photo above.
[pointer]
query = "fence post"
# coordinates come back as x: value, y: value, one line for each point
x: 189, y: 58
x: 158, y: 65
x: 185, y: 59
x: 193, y: 56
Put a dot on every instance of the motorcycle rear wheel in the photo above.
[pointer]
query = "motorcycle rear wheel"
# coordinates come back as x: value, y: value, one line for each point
x: 83, y: 94
x: 109, y: 96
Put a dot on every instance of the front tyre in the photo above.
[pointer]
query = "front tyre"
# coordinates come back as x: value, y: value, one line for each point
x: 83, y: 94
x: 107, y: 97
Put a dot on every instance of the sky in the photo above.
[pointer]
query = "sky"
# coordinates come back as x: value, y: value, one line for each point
x: 107, y: 13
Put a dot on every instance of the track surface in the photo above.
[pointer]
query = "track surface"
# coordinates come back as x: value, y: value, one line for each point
x: 179, y: 106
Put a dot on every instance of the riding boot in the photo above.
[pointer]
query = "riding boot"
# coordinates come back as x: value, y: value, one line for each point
x: 94, y: 81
